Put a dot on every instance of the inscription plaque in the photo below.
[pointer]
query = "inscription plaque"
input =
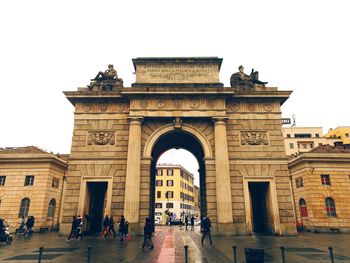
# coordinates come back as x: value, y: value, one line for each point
x: 177, y: 73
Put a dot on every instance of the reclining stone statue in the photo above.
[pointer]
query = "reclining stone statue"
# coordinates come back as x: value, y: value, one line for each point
x: 247, y: 81
x: 106, y: 80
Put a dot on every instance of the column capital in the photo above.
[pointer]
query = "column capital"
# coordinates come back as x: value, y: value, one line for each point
x: 218, y: 120
x: 135, y: 119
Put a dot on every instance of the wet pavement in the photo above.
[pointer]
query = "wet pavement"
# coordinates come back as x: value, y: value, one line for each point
x: 169, y: 245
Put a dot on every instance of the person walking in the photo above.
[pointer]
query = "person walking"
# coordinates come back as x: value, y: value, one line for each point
x: 29, y: 225
x: 147, y: 231
x: 122, y: 228
x: 186, y: 222
x: 73, y: 231
x: 79, y: 230
x: 206, y: 229
x: 105, y: 224
x: 126, y: 230
x: 111, y: 227
x: 192, y: 223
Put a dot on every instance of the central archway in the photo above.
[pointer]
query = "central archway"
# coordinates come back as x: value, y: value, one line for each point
x: 178, y: 138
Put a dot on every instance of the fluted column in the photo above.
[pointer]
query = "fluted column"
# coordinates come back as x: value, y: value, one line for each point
x: 133, y: 171
x: 222, y: 173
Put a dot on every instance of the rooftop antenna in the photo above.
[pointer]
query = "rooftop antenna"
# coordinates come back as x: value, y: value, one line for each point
x: 294, y: 120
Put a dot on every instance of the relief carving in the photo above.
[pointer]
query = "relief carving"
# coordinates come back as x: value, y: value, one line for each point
x: 268, y: 107
x: 235, y: 107
x: 177, y: 103
x: 254, y: 138
x: 101, y: 138
x: 121, y: 107
x: 251, y: 107
x: 103, y: 107
x: 87, y: 107
x: 160, y: 104
x: 143, y: 104
x: 194, y: 103
x: 211, y: 104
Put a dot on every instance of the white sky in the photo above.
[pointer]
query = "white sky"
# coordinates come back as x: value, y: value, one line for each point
x: 50, y: 46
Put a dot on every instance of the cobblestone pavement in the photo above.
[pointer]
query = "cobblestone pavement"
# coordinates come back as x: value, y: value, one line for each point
x: 169, y: 247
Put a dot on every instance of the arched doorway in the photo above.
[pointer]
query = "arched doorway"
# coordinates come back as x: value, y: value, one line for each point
x: 178, y: 139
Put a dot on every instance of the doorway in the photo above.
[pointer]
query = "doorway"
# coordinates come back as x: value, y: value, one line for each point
x: 259, y: 198
x: 96, y: 198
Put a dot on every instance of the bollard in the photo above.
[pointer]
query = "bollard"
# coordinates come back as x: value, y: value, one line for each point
x: 89, y: 252
x: 41, y: 250
x: 234, y: 254
x: 186, y: 254
x: 331, y: 254
x: 282, y: 253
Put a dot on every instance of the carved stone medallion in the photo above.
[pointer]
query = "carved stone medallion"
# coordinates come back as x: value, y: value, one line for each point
x: 211, y: 103
x: 195, y: 103
x: 144, y: 104
x: 235, y: 107
x: 103, y: 107
x: 177, y: 103
x: 251, y: 107
x: 268, y: 107
x: 254, y: 138
x: 87, y: 107
x: 160, y: 104
x: 120, y: 107
x: 101, y: 138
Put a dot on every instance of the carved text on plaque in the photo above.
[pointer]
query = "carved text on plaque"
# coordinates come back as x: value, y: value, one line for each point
x: 254, y: 138
x: 178, y: 73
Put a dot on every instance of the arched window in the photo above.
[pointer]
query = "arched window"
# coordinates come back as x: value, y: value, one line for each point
x: 330, y: 207
x: 303, y: 207
x: 51, y: 209
x: 24, y: 209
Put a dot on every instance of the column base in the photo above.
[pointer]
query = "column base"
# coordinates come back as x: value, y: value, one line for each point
x: 288, y: 229
x: 65, y: 229
x: 229, y: 229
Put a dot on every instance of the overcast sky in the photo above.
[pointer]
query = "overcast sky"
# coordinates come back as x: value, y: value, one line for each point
x: 47, y: 47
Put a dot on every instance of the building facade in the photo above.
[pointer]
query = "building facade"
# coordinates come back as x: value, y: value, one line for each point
x: 341, y: 133
x: 31, y: 182
x: 321, y: 183
x: 234, y: 132
x: 303, y: 139
x: 174, y: 193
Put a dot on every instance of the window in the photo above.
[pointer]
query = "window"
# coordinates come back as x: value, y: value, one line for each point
x: 159, y: 205
x: 159, y: 194
x: 347, y: 135
x: 51, y: 209
x: 169, y: 182
x: 303, y: 208
x: 317, y: 135
x: 302, y: 135
x: 159, y: 183
x: 169, y: 194
x: 330, y: 207
x: 29, y: 180
x: 169, y: 172
x: 2, y: 180
x: 55, y: 182
x: 159, y: 172
x: 24, y: 209
x: 311, y: 145
x: 320, y: 144
x: 304, y: 146
x: 299, y: 182
x: 325, y: 180
x: 288, y: 135
x: 169, y: 205
x: 291, y: 145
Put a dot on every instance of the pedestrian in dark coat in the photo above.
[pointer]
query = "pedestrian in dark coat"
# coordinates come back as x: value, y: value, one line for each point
x: 122, y: 228
x: 147, y: 231
x: 73, y: 231
x: 186, y: 222
x: 206, y: 229
x: 192, y: 223
x: 111, y: 227
x: 105, y: 227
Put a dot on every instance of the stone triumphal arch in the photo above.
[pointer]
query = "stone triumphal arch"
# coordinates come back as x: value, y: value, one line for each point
x: 234, y: 132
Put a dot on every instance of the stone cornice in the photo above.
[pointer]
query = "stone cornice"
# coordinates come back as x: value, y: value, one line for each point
x: 319, y: 157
